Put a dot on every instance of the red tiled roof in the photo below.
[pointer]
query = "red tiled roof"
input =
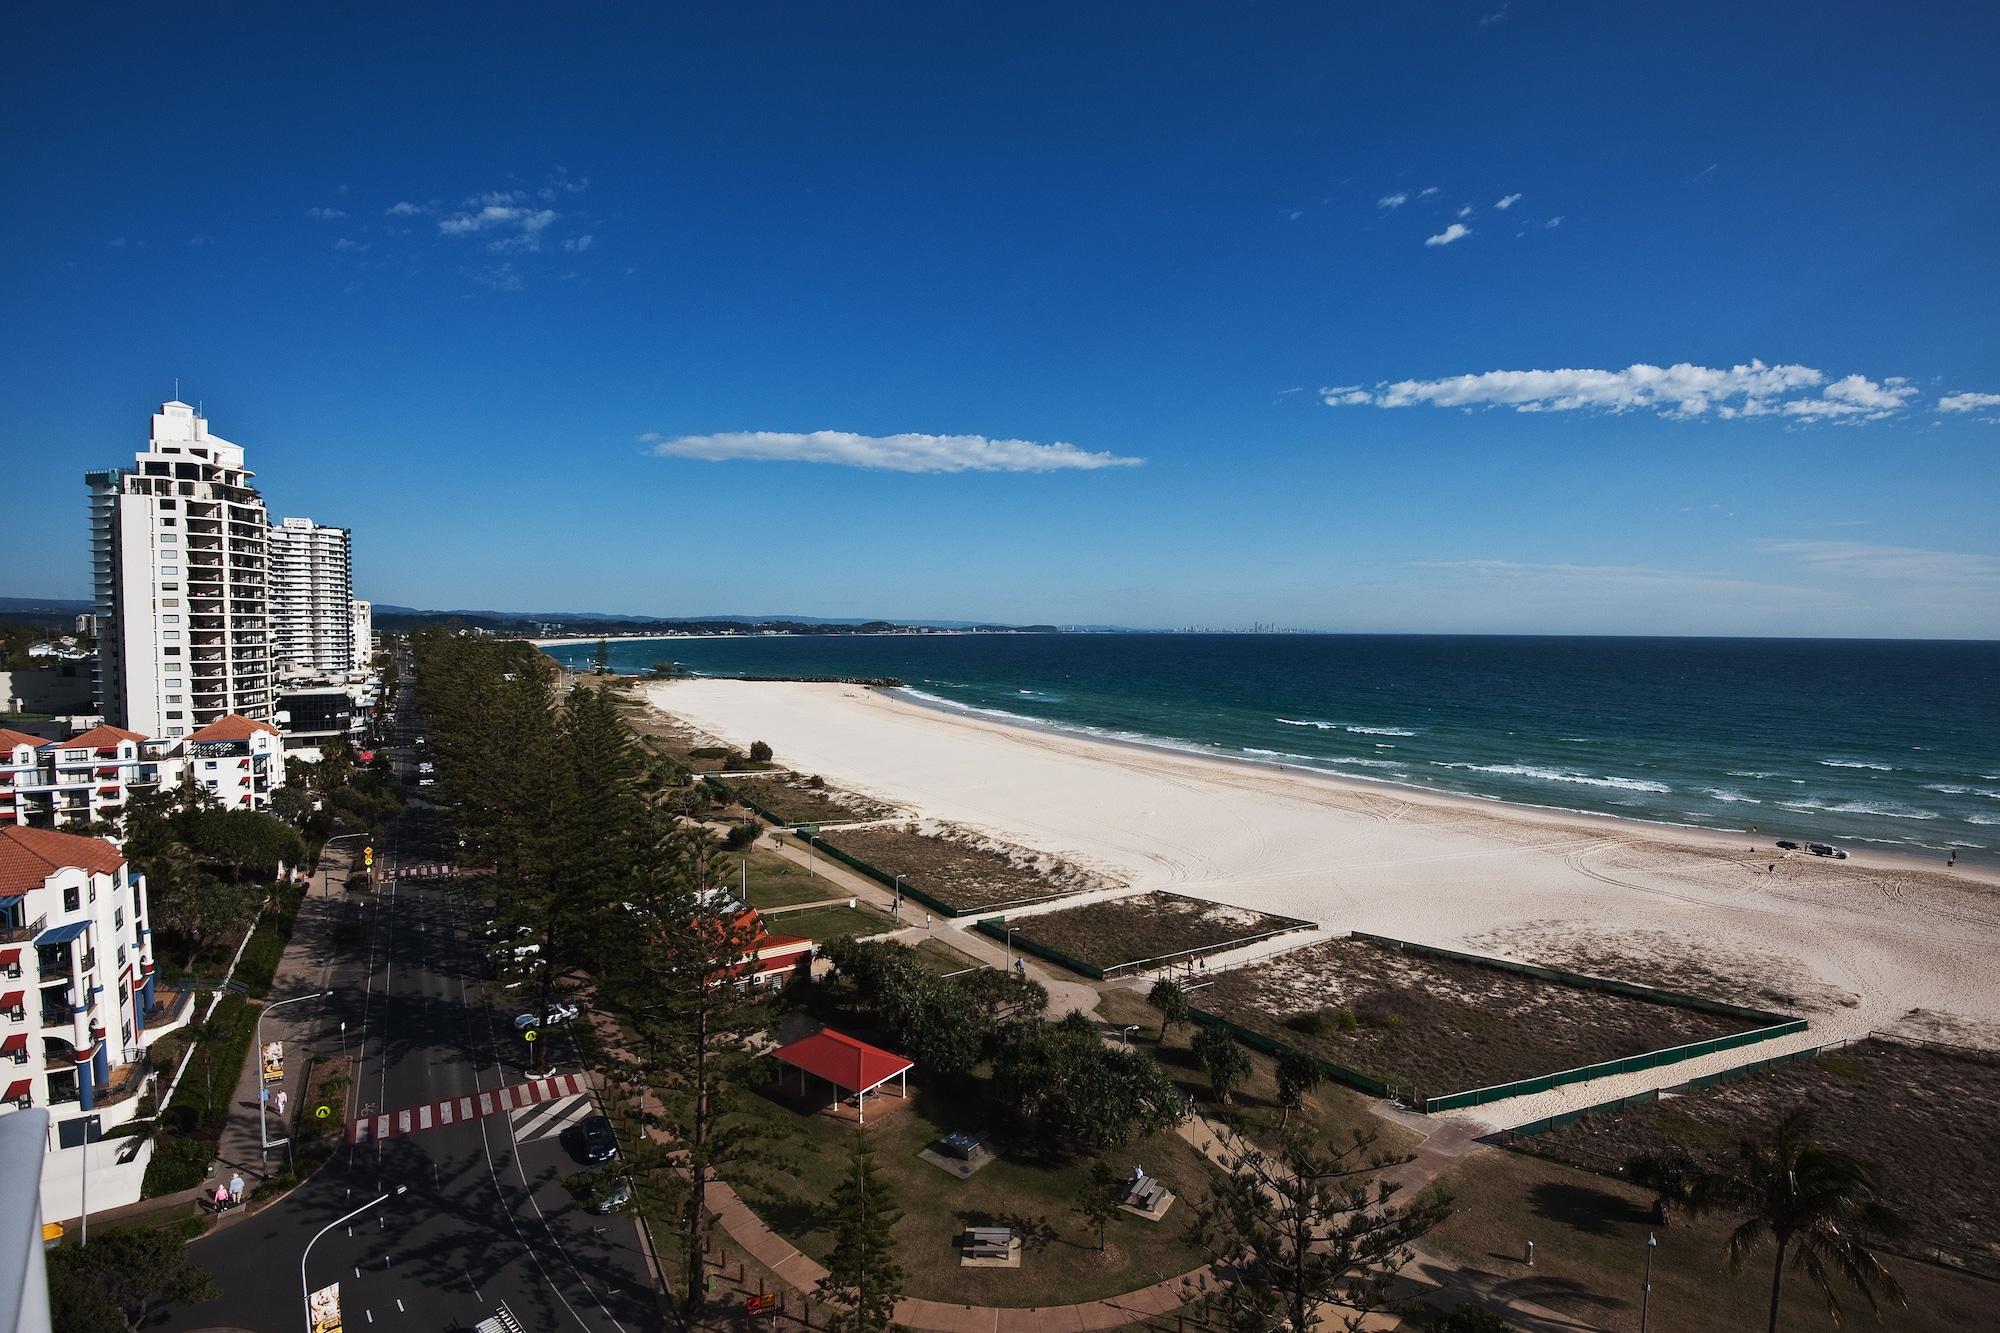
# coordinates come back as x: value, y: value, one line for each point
x: 10, y: 739
x: 232, y: 727
x: 30, y: 855
x: 101, y: 737
x: 843, y: 1061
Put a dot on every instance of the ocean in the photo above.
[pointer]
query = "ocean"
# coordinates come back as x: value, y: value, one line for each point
x: 1867, y: 744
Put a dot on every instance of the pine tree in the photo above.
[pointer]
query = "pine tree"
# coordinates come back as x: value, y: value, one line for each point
x: 863, y: 1279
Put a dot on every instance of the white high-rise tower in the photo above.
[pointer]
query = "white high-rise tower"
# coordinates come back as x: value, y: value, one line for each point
x: 178, y: 548
x: 312, y: 598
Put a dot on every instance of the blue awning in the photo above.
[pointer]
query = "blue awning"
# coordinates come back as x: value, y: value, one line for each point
x: 61, y: 934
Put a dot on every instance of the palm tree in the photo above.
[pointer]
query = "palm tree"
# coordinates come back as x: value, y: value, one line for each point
x: 1817, y: 1204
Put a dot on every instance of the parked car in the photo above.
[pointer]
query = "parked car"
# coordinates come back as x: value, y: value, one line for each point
x: 1787, y: 845
x: 559, y: 1012
x: 619, y: 1196
x: 1826, y: 849
x: 595, y: 1140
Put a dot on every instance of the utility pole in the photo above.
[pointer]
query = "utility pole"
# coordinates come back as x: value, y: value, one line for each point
x: 1646, y: 1292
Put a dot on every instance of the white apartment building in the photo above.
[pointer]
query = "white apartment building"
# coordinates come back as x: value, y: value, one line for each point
x: 364, y: 634
x: 178, y: 549
x: 54, y: 784
x: 76, y: 989
x: 311, y: 597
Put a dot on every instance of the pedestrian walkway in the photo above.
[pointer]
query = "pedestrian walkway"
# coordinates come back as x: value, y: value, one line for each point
x: 472, y: 1106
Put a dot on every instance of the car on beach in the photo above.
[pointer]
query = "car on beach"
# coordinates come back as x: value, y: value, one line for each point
x: 1787, y: 845
x: 1827, y: 849
x: 559, y: 1012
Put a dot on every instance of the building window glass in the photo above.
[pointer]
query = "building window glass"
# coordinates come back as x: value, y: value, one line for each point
x: 170, y: 571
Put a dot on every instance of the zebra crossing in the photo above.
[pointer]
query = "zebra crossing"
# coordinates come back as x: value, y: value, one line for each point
x: 515, y: 1100
x: 550, y: 1119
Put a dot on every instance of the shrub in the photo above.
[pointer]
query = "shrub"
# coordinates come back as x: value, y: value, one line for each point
x: 740, y: 836
x: 760, y: 752
x: 177, y: 1165
x: 1323, y: 1022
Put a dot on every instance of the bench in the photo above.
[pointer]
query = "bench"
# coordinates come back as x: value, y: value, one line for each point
x: 962, y: 1145
x: 1144, y: 1193
x: 988, y: 1242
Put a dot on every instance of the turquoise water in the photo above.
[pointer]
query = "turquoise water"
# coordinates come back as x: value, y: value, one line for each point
x: 1893, y: 745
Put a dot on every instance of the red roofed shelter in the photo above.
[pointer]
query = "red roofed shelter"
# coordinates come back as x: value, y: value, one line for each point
x: 850, y: 1065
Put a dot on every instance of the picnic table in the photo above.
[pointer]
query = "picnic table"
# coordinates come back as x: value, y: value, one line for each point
x: 989, y: 1242
x: 962, y: 1145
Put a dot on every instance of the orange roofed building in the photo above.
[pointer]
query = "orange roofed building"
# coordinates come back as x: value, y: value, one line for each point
x: 50, y: 784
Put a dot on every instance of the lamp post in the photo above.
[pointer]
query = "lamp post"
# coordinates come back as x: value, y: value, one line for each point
x: 263, y: 1132
x: 897, y: 910
x: 305, y: 1291
x: 1010, y: 948
x: 325, y: 870
x: 1646, y: 1292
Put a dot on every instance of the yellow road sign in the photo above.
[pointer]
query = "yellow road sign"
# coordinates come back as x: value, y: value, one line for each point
x: 530, y: 1035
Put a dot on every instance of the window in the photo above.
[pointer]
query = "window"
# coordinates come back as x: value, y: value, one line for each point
x: 169, y: 504
x: 170, y: 571
x: 174, y: 699
x: 173, y: 682
x: 171, y: 635
x: 72, y: 899
x: 170, y: 620
x: 170, y: 652
x: 118, y: 921
x: 168, y: 522
x: 167, y: 537
x: 170, y: 587
x: 176, y: 731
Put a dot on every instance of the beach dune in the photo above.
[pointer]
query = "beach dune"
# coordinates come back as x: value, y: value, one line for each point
x: 1872, y: 943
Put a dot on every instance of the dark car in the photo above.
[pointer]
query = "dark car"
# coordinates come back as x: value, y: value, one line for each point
x: 595, y: 1140
x: 1787, y: 845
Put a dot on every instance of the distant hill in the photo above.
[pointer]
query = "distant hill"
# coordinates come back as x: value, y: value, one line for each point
x: 546, y: 624
x: 45, y: 612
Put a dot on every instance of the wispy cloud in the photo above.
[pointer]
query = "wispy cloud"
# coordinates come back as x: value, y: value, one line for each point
x: 1488, y: 20
x: 1968, y: 402
x: 887, y: 453
x: 578, y: 244
x: 406, y: 209
x: 1553, y: 223
x: 1681, y: 390
x: 1506, y: 202
x: 345, y: 246
x: 1457, y: 231
x: 326, y: 214
x: 1466, y: 211
x: 1613, y: 582
x: 510, y: 226
x: 1868, y: 560
x: 1427, y: 192
x: 1392, y: 200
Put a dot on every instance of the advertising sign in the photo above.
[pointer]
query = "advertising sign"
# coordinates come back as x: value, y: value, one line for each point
x: 274, y: 1062
x: 323, y: 1309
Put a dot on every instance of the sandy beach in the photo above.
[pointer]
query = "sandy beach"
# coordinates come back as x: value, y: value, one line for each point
x: 1871, y: 943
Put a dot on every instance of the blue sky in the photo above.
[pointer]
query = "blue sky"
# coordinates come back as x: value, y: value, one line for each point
x: 497, y: 288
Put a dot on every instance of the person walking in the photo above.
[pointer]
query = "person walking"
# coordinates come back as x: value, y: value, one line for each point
x: 235, y: 1188
x: 281, y: 1103
x: 221, y: 1198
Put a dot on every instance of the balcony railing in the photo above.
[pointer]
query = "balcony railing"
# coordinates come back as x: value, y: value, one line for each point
x: 12, y: 934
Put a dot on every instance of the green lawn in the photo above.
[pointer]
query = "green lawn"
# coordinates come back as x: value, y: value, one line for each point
x: 827, y: 923
x: 1590, y: 1249
x: 776, y: 882
x: 1030, y: 1192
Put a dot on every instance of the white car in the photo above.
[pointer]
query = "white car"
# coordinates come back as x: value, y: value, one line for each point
x: 559, y: 1012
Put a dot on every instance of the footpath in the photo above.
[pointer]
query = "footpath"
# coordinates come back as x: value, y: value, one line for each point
x: 307, y: 967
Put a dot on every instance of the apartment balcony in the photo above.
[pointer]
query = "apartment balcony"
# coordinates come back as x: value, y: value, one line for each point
x: 20, y: 934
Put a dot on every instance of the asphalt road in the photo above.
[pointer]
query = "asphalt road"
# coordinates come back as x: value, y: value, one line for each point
x: 484, y: 1220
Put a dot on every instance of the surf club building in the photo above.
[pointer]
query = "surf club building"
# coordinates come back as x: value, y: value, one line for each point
x: 76, y: 984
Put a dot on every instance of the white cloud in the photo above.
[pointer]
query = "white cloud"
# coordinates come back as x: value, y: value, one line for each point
x: 1427, y: 192
x: 501, y: 277
x: 325, y: 214
x: 1867, y: 560
x: 888, y: 453
x: 1457, y: 231
x: 1681, y: 390
x: 117, y: 242
x: 1968, y: 402
x: 404, y: 209
x: 496, y: 199
x: 1488, y: 20
x: 1392, y: 200
x: 1553, y: 223
x: 514, y: 227
x: 345, y: 246
x: 1466, y: 211
x: 1506, y: 201
x: 579, y: 244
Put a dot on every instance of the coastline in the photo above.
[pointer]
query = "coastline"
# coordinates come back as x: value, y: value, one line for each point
x: 1877, y: 942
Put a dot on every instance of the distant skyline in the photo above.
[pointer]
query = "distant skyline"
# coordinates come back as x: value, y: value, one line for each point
x: 1524, y: 318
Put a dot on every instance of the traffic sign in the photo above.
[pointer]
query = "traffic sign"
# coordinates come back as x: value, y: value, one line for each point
x: 530, y: 1035
x: 368, y: 856
x: 323, y: 1112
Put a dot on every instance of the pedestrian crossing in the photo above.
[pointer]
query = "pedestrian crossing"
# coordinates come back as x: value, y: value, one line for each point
x: 550, y: 1119
x: 565, y: 1090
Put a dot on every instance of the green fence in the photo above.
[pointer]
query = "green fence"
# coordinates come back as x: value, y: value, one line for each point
x: 1353, y: 1078
x: 996, y: 926
x: 1524, y: 1087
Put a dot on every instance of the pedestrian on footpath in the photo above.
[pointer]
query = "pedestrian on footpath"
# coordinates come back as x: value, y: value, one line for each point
x: 281, y: 1103
x: 222, y: 1198
x: 235, y: 1189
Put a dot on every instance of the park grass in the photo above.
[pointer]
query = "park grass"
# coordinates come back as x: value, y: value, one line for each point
x: 1434, y: 1026
x: 1026, y: 1189
x: 774, y: 881
x: 936, y: 956
x: 1333, y: 1110
x: 1590, y: 1251
x: 1116, y: 932
x: 1902, y: 1106
x: 828, y: 923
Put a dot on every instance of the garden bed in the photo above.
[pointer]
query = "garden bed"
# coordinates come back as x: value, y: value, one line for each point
x: 1904, y: 1107
x: 1432, y: 1026
x: 963, y: 872
x: 794, y: 800
x: 1119, y: 933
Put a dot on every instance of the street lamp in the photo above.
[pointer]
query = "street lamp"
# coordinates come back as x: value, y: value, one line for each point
x: 325, y: 870
x: 1010, y: 947
x: 263, y: 1093
x: 305, y: 1292
x: 1646, y: 1292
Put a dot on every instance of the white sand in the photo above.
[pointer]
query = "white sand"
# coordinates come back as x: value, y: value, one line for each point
x: 1867, y: 944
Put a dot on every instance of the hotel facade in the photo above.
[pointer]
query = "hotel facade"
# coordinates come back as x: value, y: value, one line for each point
x: 179, y: 545
x: 311, y: 598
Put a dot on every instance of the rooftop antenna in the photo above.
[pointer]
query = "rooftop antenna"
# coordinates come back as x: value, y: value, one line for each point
x: 177, y: 388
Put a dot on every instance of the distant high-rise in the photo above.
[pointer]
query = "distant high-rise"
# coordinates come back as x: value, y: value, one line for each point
x: 178, y: 547
x: 312, y: 598
x: 364, y: 633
